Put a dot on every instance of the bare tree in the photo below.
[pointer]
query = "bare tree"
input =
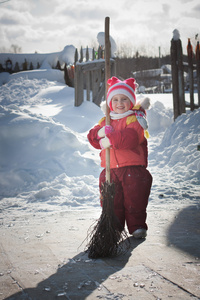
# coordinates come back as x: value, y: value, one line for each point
x: 15, y: 49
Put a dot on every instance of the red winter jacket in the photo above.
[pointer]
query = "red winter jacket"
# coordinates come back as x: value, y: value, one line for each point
x: 129, y: 145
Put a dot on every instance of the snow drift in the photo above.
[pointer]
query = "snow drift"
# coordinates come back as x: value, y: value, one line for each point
x: 47, y: 164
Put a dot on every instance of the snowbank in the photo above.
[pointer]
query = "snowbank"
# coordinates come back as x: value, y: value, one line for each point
x: 178, y: 148
x: 46, y: 162
x: 45, y: 60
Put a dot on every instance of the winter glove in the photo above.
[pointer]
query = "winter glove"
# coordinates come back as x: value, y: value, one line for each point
x: 105, y: 143
x: 142, y: 119
x: 104, y: 131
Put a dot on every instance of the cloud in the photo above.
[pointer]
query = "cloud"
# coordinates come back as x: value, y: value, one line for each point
x: 195, y: 11
x: 48, y: 26
x: 166, y: 9
x: 15, y: 18
x: 19, y: 5
x: 7, y: 20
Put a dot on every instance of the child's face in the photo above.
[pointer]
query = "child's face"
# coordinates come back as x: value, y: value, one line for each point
x: 120, y: 103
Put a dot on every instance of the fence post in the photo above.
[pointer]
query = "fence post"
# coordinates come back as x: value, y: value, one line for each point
x: 87, y: 54
x: 190, y: 73
x: 113, y: 68
x: 78, y: 81
x: 93, y: 54
x: 81, y: 55
x: 78, y: 84
x: 174, y: 78
x: 177, y: 75
x: 181, y: 77
x: 87, y: 75
x: 198, y: 71
x: 76, y: 56
x: 16, y: 68
x: 100, y: 53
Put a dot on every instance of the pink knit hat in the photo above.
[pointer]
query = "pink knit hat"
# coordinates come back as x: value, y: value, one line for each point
x: 126, y: 87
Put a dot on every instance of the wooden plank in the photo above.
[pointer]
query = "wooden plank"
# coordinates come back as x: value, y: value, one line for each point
x: 198, y: 71
x: 101, y: 94
x: 175, y: 78
x: 76, y: 55
x: 87, y: 74
x: 190, y: 73
x: 181, y: 89
x: 113, y: 67
x: 107, y: 76
x: 96, y: 85
x: 78, y: 83
x: 94, y: 65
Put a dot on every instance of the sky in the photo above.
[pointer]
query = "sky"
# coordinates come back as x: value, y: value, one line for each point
x: 48, y: 26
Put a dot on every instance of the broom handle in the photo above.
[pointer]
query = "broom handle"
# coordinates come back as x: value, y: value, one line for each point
x: 107, y: 76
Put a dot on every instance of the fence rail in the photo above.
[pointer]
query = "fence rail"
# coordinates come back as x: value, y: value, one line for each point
x: 89, y: 76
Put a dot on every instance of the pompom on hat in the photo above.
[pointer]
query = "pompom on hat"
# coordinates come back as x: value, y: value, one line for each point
x: 126, y: 87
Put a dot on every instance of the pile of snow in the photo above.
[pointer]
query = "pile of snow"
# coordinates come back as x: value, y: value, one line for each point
x: 173, y: 156
x: 159, y: 118
x: 47, y: 164
x: 46, y: 62
x: 178, y: 148
x: 49, y: 74
x: 101, y: 41
x: 37, y: 136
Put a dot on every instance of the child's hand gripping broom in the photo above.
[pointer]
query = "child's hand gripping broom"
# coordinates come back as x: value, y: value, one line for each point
x: 108, y: 232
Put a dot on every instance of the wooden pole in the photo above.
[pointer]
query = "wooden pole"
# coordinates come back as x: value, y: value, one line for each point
x: 107, y: 76
x: 190, y: 72
x: 180, y: 77
x: 198, y: 71
x: 175, y: 78
x: 108, y: 235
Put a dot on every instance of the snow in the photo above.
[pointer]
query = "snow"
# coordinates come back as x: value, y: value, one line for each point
x: 176, y: 35
x: 101, y: 41
x: 47, y: 164
x: 45, y: 60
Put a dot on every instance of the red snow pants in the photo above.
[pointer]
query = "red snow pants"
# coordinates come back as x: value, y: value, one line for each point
x: 132, y: 189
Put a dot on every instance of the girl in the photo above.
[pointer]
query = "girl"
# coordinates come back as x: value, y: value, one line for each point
x: 126, y: 137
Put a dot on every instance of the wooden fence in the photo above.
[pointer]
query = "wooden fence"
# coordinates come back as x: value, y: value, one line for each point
x: 89, y: 76
x: 14, y: 68
x: 178, y: 85
x: 25, y: 66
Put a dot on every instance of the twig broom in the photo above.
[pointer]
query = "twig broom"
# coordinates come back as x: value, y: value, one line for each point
x: 107, y: 234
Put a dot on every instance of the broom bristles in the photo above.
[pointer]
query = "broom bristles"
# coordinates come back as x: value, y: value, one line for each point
x: 108, y: 233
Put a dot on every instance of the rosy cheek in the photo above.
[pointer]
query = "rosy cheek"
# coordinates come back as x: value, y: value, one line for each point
x: 111, y: 107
